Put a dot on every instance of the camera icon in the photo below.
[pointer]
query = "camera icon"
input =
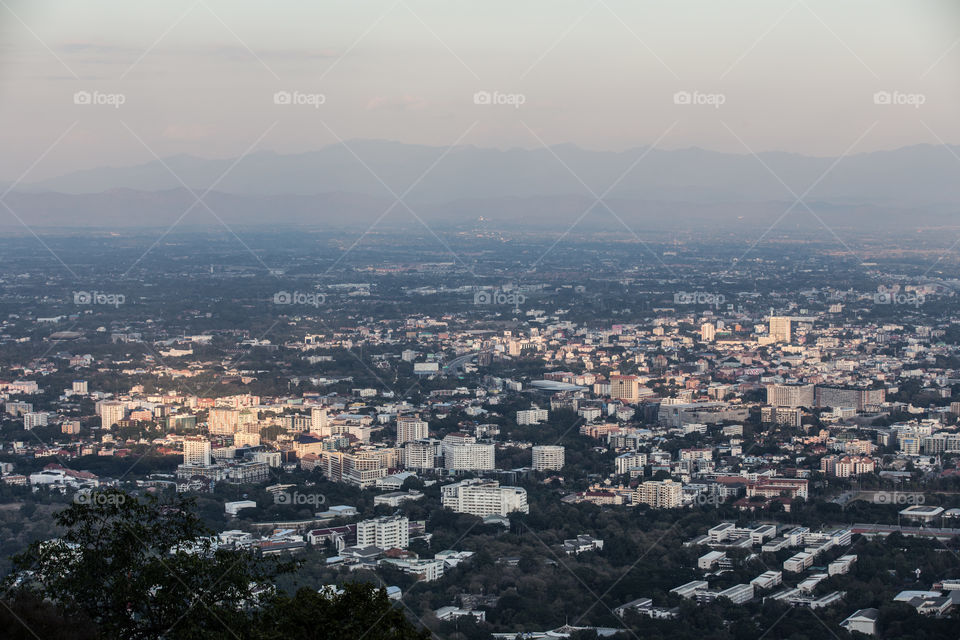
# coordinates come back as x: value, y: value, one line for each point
x: 282, y: 498
x: 883, y: 296
x: 482, y: 97
x: 83, y: 497
x: 882, y: 97
x: 682, y: 97
x: 282, y: 297
x: 82, y: 297
x: 82, y: 97
x: 282, y: 97
x: 483, y: 297
x: 881, y: 498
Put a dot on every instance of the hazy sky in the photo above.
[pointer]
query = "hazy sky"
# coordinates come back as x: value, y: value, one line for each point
x: 199, y: 77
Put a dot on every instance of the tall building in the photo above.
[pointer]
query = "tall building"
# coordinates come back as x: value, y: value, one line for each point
x: 318, y: 422
x: 660, y: 494
x: 548, y: 457
x: 111, y: 412
x: 222, y: 421
x: 387, y: 532
x: 410, y: 428
x: 80, y: 386
x: 790, y: 395
x: 625, y: 388
x: 421, y: 454
x: 780, y: 329
x: 483, y: 498
x: 196, y: 451
x: 708, y: 332
x: 469, y: 457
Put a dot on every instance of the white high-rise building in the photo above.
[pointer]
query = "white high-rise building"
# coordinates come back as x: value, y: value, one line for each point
x: 410, y: 428
x: 196, y: 451
x: 319, y: 424
x: 387, y: 532
x: 111, y: 412
x: 708, y: 332
x: 420, y: 454
x: 548, y: 457
x: 484, y: 498
x: 80, y: 386
x: 469, y: 457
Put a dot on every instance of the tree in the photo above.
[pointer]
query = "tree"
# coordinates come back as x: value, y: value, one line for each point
x: 143, y: 569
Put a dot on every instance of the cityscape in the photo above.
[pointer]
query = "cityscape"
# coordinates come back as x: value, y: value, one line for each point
x: 382, y: 387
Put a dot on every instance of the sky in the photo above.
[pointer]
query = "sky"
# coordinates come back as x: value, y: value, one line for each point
x: 116, y: 83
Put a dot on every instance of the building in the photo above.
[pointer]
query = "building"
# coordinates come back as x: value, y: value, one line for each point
x: 532, y: 416
x: 625, y: 388
x: 469, y: 457
x: 484, y: 498
x: 847, y: 466
x: 35, y: 419
x: 798, y: 563
x: 80, y: 386
x: 862, y: 620
x: 859, y: 398
x: 387, y: 532
x: 780, y: 328
x: 738, y: 593
x: 631, y: 460
x: 659, y: 494
x: 421, y: 454
x: 690, y: 589
x: 410, y: 428
x: 790, y: 395
x: 223, y: 421
x: 111, y: 412
x: 783, y: 416
x: 196, y: 451
x: 548, y: 457
x: 708, y: 332
x: 319, y: 422
x: 710, y: 559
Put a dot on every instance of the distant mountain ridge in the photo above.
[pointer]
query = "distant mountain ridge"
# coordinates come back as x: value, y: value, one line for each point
x: 545, y: 188
x: 916, y: 175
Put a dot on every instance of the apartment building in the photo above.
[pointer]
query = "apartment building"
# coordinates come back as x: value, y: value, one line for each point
x: 484, y: 498
x: 659, y: 494
x: 387, y: 532
x: 548, y: 457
